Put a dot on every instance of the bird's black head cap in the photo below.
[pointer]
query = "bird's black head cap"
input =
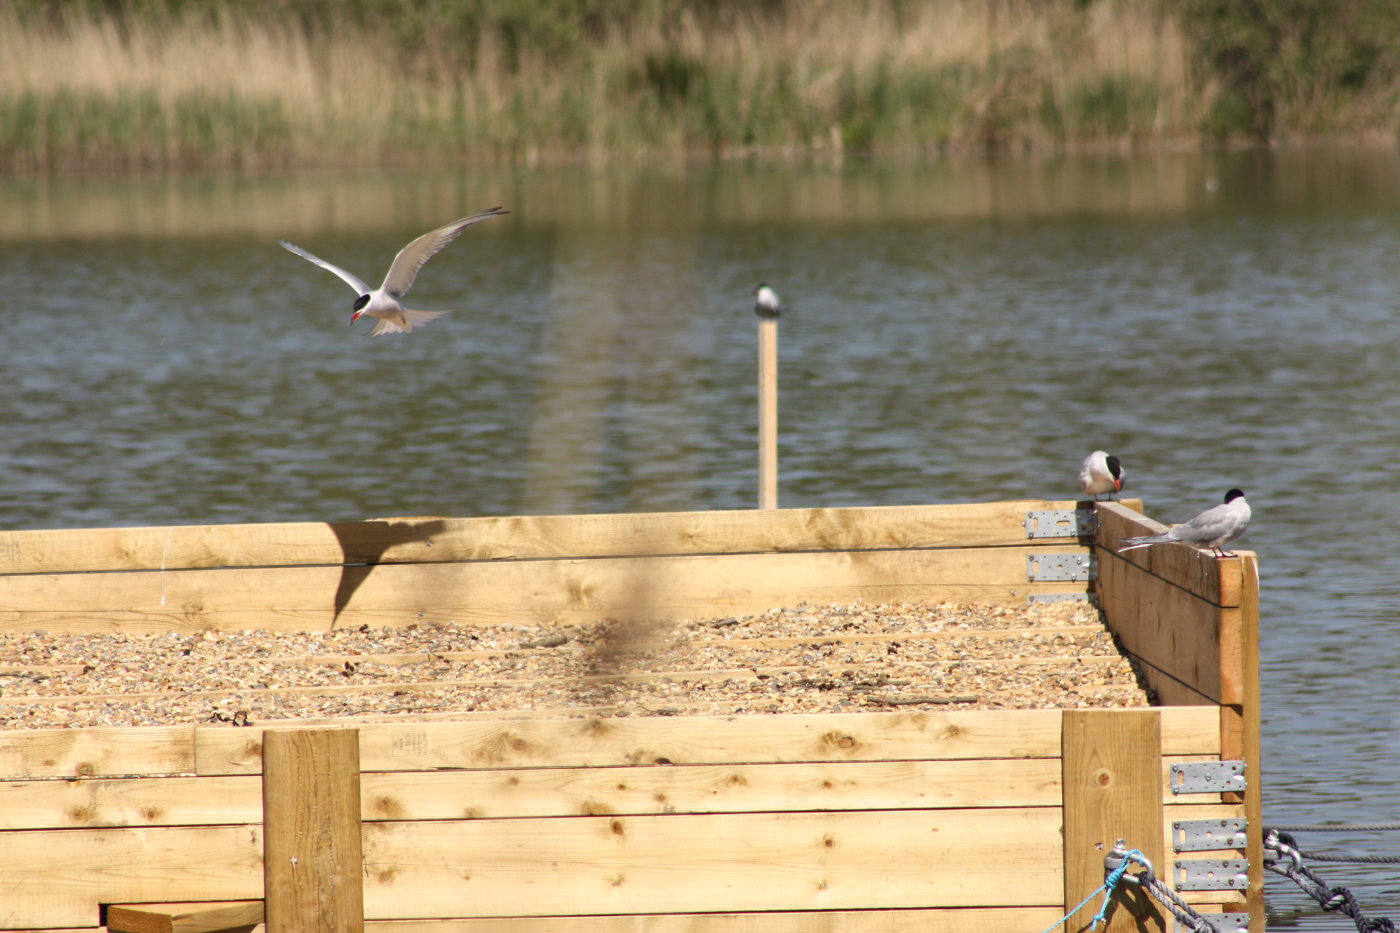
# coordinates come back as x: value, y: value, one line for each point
x: 361, y: 302
x: 1114, y: 467
x: 1234, y: 494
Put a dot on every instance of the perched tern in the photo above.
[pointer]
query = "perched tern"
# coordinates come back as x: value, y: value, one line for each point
x: 1101, y: 473
x: 765, y: 302
x: 383, y: 302
x: 1214, y: 528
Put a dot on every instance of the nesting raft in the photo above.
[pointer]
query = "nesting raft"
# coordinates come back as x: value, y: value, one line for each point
x: 705, y: 722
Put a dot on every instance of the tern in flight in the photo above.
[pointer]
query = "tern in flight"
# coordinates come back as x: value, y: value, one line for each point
x: 383, y: 302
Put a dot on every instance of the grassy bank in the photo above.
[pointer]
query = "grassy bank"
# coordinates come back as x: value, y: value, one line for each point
x: 194, y: 83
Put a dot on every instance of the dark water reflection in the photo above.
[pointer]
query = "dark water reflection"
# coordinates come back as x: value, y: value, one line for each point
x: 962, y: 331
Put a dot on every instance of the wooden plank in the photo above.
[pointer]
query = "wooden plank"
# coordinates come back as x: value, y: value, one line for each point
x: 678, y: 740
x: 311, y: 818
x: 142, y: 801
x: 490, y: 794
x: 504, y: 591
x: 946, y: 920
x: 433, y: 539
x: 96, y: 752
x: 720, y: 862
x: 1169, y: 628
x: 934, y: 920
x: 1112, y: 781
x: 60, y: 878
x: 1194, y: 570
x: 198, y: 917
x: 1165, y: 689
x: 674, y: 740
x: 1246, y: 741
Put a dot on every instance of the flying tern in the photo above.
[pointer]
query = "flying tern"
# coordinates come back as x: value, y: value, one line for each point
x: 383, y: 302
x: 1100, y: 474
x: 1214, y: 528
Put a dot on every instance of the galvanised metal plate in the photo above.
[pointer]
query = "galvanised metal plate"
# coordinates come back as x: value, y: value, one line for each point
x: 1211, y: 874
x: 1208, y: 777
x: 1061, y: 568
x: 1062, y: 523
x: 1206, y: 835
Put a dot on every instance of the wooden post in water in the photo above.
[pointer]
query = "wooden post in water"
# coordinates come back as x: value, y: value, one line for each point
x: 312, y: 861
x: 767, y: 307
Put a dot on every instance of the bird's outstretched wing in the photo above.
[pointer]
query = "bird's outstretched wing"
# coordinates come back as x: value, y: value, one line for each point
x: 360, y: 287
x: 411, y: 258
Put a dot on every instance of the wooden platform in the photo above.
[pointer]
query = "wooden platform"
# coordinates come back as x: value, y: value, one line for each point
x: 927, y: 820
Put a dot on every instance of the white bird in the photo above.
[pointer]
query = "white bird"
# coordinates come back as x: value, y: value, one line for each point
x: 1214, y: 528
x: 383, y: 302
x: 1101, y: 473
x: 765, y: 301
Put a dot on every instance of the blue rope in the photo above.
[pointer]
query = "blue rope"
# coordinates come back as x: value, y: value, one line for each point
x: 1110, y: 884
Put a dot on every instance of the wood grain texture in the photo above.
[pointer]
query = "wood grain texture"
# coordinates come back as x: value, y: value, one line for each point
x: 1196, y: 571
x: 521, y: 792
x: 434, y: 539
x: 198, y: 917
x: 1170, y: 629
x: 719, y: 862
x: 96, y: 752
x: 768, y: 414
x: 312, y: 841
x: 933, y: 920
x: 1250, y: 738
x: 1112, y: 790
x: 60, y: 878
x: 552, y: 590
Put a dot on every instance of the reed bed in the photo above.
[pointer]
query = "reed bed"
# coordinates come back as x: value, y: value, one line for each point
x: 265, y: 87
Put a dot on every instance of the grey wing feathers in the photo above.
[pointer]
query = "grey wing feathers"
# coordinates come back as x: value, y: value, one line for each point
x: 411, y: 258
x: 360, y: 287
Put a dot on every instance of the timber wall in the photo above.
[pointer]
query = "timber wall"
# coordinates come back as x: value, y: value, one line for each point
x: 968, y: 821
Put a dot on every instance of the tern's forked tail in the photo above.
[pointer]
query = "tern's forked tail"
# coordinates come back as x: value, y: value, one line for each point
x: 1127, y: 544
x: 405, y: 326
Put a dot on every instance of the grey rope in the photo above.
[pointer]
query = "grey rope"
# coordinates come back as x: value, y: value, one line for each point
x: 1358, y: 859
x: 1326, y: 828
x: 1281, y: 847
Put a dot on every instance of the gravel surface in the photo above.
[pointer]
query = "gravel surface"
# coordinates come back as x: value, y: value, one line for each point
x: 803, y: 659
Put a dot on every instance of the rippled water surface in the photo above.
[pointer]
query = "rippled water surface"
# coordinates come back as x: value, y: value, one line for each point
x: 959, y: 331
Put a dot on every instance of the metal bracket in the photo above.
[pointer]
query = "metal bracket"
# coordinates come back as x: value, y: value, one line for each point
x: 1090, y: 598
x: 1208, y: 777
x: 1061, y: 568
x: 1230, y: 874
x: 1062, y: 523
x: 1207, y: 835
x: 1227, y: 923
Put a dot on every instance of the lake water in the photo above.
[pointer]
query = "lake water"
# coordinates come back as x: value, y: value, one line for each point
x: 959, y: 331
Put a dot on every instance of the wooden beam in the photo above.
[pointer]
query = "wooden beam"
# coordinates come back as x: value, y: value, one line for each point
x: 439, y: 795
x: 1197, y: 571
x: 432, y: 539
x: 196, y: 917
x: 935, y: 920
x: 311, y: 814
x: 1191, y: 639
x: 1113, y: 790
x: 60, y: 878
x: 1241, y: 736
x: 510, y: 741
x: 716, y: 862
x: 103, y: 751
